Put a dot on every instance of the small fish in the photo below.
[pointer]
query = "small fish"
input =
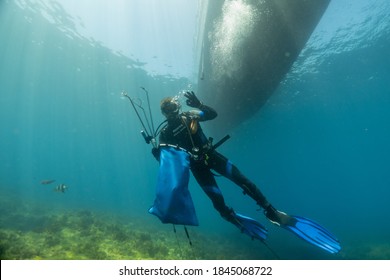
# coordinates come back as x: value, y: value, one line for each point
x: 61, y: 188
x: 47, y: 182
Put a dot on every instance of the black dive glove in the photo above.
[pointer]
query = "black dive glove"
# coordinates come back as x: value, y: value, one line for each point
x: 192, y: 100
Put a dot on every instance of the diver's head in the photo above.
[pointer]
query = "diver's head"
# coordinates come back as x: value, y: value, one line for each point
x: 170, y: 107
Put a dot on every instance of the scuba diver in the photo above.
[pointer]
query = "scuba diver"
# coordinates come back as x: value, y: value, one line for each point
x: 183, y: 130
x: 182, y: 147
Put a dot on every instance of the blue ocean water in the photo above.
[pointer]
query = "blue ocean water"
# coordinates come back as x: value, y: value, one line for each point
x: 319, y: 147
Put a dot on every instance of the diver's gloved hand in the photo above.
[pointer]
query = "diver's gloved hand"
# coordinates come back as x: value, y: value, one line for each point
x: 192, y: 100
x: 156, y: 153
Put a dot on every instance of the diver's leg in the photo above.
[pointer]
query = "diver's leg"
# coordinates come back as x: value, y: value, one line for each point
x: 206, y: 180
x: 247, y: 225
x: 226, y: 168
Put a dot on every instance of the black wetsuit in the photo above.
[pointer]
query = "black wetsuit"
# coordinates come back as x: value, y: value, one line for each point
x: 185, y: 131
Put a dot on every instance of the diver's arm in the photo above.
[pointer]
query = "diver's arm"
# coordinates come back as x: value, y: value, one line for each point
x: 162, y: 137
x: 205, y: 113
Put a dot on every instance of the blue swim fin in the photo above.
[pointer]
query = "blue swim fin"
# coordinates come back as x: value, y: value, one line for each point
x: 315, y: 234
x: 306, y: 229
x: 249, y: 226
